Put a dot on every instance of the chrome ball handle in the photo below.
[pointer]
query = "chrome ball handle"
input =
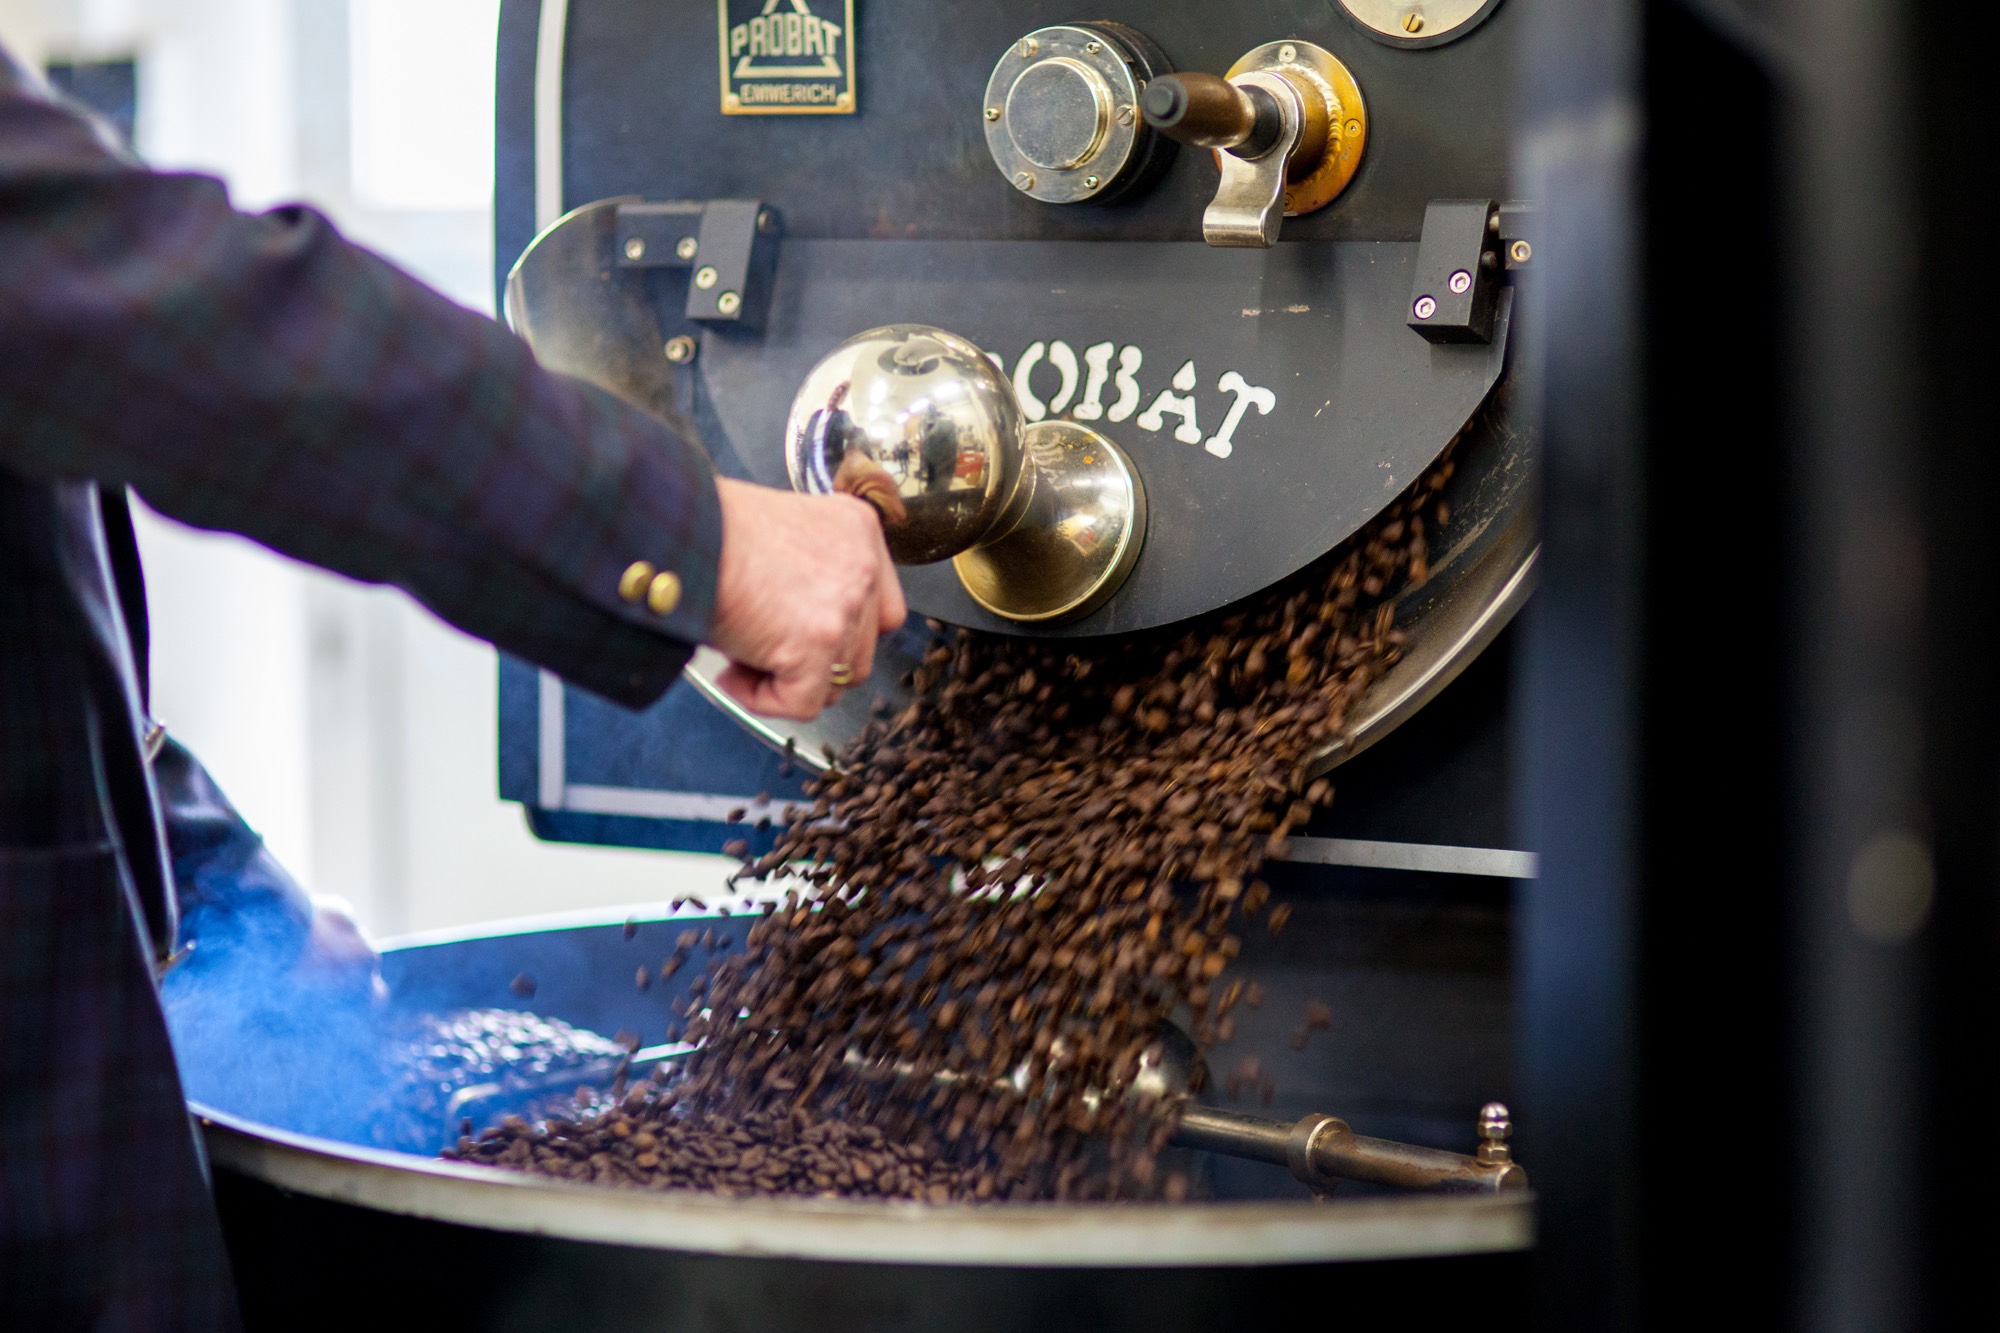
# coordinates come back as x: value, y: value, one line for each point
x: 1042, y: 521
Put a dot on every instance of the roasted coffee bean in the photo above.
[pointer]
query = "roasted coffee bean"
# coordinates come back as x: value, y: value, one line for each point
x: 1017, y: 879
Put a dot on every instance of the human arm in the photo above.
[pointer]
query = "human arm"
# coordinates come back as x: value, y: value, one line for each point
x: 261, y: 375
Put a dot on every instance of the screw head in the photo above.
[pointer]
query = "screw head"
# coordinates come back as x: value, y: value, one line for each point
x: 992, y: 113
x: 1495, y: 1125
x: 767, y: 221
x: 1288, y: 52
x: 706, y: 277
x: 1090, y: 182
x: 1125, y: 115
x: 1520, y: 252
x: 688, y: 245
x: 1353, y: 128
x: 1413, y: 23
x: 729, y: 303
x: 1028, y: 47
x: 1461, y: 282
x: 680, y: 349
x: 1425, y: 307
x: 1024, y: 180
x: 1092, y: 48
x: 635, y: 247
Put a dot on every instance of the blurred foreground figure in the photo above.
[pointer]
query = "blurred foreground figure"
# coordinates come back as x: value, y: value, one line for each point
x: 261, y: 375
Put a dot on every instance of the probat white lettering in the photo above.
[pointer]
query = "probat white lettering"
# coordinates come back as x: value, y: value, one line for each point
x: 1063, y: 358
x: 1180, y: 404
x: 1223, y: 442
x: 1080, y: 391
x: 1097, y: 364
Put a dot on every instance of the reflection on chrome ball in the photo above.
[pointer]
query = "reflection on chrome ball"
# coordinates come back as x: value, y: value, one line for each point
x: 918, y: 414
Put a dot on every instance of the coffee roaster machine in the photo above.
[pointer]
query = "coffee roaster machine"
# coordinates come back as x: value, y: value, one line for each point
x: 1243, y: 272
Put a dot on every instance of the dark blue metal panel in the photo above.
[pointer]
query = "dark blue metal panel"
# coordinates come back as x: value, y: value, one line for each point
x: 666, y: 776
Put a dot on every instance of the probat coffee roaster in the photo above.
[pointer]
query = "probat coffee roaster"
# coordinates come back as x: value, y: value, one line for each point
x: 1131, y: 316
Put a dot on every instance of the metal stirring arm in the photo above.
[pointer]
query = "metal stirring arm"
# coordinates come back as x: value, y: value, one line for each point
x: 1322, y: 1151
x: 1319, y: 1150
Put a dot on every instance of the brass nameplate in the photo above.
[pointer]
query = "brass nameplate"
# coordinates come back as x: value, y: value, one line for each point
x: 787, y: 57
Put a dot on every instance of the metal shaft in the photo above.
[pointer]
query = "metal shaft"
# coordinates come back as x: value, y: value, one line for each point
x: 1204, y: 111
x: 1321, y: 1150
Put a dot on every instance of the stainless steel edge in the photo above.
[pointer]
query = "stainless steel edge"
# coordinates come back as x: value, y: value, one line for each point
x: 1453, y: 637
x: 964, y: 1235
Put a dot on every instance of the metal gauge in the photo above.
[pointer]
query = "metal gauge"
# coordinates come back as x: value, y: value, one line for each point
x: 1417, y: 22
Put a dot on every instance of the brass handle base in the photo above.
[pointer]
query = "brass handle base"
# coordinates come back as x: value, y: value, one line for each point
x: 1324, y: 130
x: 1079, y: 534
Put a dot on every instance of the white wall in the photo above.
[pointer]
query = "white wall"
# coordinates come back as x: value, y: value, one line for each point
x: 21, y: 25
x: 353, y: 729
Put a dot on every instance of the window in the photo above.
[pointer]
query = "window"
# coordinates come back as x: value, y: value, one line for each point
x: 422, y: 74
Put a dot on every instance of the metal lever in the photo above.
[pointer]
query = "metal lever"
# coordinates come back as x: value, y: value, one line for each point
x: 1321, y: 1151
x: 1287, y: 125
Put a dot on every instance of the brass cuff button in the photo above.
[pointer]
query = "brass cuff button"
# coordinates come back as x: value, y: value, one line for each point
x: 632, y: 584
x: 665, y: 593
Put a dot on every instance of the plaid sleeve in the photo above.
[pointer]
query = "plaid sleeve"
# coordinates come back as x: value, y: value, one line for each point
x: 260, y: 374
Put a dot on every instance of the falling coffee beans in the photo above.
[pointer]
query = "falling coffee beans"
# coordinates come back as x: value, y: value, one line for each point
x: 998, y: 896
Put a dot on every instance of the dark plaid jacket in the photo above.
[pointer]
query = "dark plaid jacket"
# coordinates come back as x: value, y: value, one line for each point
x: 255, y: 374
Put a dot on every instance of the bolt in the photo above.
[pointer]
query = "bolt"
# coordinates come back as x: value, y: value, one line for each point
x: 729, y: 303
x: 1425, y: 307
x: 1495, y: 1127
x: 1092, y: 48
x: 1288, y: 203
x: 992, y: 113
x: 680, y: 349
x: 1024, y: 180
x: 1460, y: 283
x: 1028, y: 47
x: 635, y: 247
x: 1520, y: 252
x: 767, y: 221
x: 688, y: 245
x: 1288, y: 53
x: 1353, y: 128
x: 1413, y: 23
x: 705, y: 277
x: 1125, y: 115
x: 1090, y: 182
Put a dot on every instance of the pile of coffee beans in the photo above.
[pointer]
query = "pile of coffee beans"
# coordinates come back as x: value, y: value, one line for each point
x: 1001, y: 893
x: 645, y: 1141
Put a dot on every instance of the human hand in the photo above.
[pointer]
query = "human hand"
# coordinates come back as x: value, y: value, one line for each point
x: 805, y: 584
